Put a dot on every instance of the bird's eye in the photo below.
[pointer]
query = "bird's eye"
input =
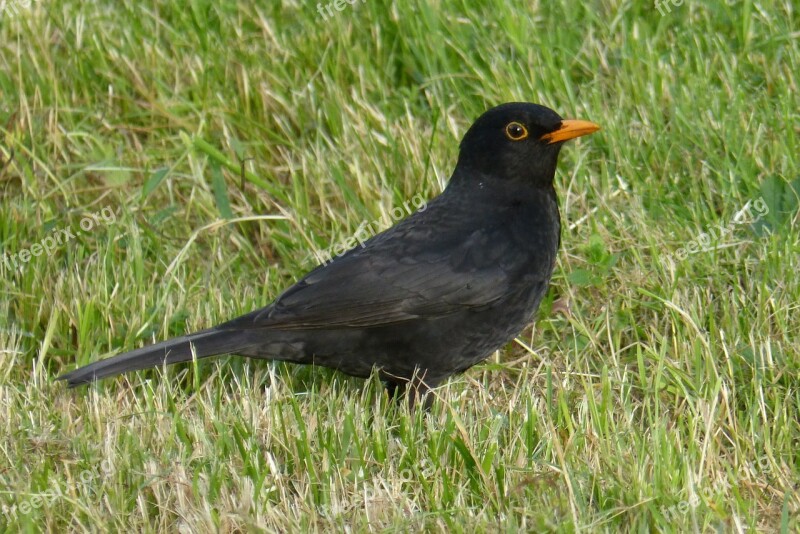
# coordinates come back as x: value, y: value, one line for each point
x: 516, y: 132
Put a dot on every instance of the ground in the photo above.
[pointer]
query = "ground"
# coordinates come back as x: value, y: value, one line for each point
x: 166, y: 166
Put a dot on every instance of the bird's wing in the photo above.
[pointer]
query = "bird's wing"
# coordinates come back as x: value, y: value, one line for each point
x: 387, y: 283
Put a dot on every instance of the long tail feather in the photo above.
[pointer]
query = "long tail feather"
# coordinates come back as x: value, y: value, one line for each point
x: 205, y: 343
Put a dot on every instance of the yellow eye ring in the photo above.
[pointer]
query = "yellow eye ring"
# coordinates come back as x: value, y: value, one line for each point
x: 516, y: 131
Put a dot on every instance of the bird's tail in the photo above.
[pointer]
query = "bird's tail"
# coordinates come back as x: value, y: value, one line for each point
x: 180, y: 349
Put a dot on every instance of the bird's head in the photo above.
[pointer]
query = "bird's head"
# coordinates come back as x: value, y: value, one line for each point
x: 518, y: 141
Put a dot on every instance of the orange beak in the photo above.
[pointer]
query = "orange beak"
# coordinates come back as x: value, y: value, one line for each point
x: 570, y: 129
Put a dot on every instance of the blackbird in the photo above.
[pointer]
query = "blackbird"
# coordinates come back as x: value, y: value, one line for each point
x: 431, y: 296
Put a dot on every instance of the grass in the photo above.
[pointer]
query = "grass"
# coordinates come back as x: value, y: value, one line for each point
x: 236, y: 143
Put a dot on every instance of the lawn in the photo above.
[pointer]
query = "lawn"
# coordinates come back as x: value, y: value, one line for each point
x: 167, y: 166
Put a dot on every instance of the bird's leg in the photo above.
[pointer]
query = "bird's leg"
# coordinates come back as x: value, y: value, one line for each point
x: 411, y: 391
x: 420, y: 394
x: 393, y: 390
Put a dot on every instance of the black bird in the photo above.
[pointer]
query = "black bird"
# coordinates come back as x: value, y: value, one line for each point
x: 429, y: 297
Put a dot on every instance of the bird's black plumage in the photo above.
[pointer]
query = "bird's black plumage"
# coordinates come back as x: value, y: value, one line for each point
x: 429, y: 297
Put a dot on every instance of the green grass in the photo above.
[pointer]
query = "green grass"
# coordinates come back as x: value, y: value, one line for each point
x: 236, y: 143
